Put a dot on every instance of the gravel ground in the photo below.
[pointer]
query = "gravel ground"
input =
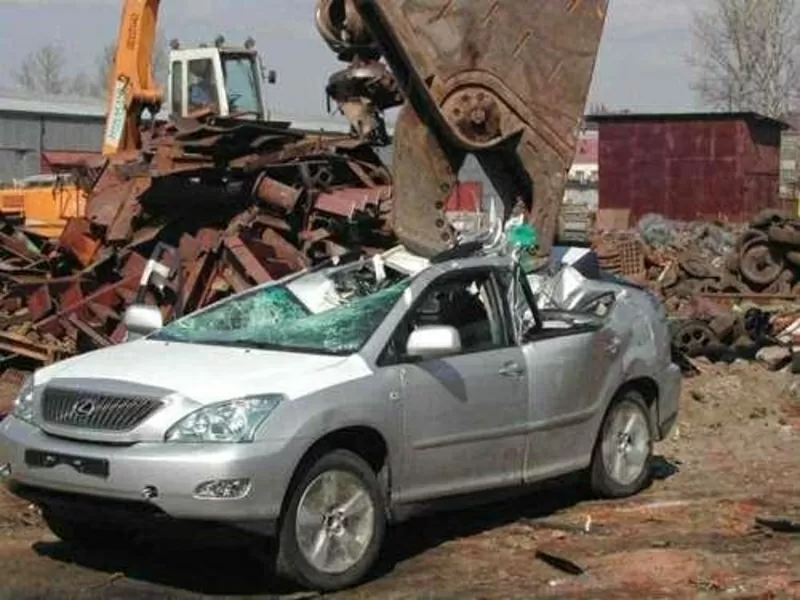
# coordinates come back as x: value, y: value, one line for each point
x: 734, y: 456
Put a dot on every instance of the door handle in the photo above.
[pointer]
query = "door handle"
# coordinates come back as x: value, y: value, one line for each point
x: 612, y: 347
x: 511, y: 369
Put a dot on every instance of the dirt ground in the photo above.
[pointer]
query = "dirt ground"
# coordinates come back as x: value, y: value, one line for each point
x: 734, y: 456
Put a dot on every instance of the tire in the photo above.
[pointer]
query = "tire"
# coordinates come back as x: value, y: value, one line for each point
x: 787, y: 235
x: 79, y: 533
x: 353, y: 478
x: 604, y: 482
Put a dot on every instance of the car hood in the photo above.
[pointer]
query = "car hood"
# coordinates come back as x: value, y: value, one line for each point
x: 209, y: 374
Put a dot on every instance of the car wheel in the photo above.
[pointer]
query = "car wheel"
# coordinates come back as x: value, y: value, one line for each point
x: 78, y: 532
x: 621, y: 463
x: 334, y: 524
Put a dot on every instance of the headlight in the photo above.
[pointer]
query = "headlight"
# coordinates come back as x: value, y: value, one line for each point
x: 227, y: 422
x: 23, y: 404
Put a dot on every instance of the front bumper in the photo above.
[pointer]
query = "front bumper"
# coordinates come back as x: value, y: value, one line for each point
x: 173, y: 471
x: 669, y: 394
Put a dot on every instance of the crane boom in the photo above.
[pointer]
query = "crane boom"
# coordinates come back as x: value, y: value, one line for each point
x: 132, y: 87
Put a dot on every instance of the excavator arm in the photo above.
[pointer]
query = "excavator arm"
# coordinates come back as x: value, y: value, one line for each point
x: 505, y: 80
x: 132, y: 87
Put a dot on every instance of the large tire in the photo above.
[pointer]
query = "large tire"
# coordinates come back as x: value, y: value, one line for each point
x: 787, y: 234
x: 608, y: 477
x: 78, y: 532
x: 344, y: 511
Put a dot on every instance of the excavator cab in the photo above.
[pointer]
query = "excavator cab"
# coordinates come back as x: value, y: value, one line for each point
x: 220, y: 79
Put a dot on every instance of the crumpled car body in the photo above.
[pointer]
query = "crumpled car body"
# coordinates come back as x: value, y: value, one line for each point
x: 324, y: 355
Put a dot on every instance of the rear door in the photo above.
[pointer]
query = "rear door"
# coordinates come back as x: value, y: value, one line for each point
x: 571, y: 358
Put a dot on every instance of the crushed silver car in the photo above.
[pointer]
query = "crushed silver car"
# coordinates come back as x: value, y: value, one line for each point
x: 319, y: 409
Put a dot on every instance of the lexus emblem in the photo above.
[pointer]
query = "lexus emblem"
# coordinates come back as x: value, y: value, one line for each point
x: 83, y: 409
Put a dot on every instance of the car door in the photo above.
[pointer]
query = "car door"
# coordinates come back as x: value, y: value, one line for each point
x: 463, y: 415
x: 571, y: 359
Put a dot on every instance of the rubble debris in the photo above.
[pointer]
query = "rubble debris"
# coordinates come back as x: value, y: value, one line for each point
x: 779, y: 525
x: 774, y: 357
x: 211, y: 206
x: 557, y: 562
x: 726, y: 287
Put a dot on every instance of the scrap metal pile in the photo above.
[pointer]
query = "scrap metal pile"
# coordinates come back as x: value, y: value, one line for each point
x: 210, y: 207
x: 722, y: 284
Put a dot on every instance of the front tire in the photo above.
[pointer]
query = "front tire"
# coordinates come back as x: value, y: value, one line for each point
x: 334, y: 524
x: 621, y: 462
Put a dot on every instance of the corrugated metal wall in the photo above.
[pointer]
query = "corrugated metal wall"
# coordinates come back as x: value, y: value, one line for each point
x: 24, y: 137
x: 19, y: 146
x: 72, y: 135
x: 711, y: 168
x: 16, y: 164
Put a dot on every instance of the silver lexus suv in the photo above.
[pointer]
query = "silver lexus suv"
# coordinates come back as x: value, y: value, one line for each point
x: 318, y: 409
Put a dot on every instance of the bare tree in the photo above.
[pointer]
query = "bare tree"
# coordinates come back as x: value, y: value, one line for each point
x: 80, y: 85
x: 42, y: 71
x: 745, y: 55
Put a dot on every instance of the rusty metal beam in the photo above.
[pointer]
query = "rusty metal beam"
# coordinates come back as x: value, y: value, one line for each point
x: 244, y: 261
x: 18, y: 344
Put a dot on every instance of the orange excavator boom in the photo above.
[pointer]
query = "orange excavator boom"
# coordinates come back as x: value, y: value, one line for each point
x: 132, y: 87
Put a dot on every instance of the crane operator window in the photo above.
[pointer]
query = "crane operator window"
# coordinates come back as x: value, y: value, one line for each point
x: 202, y: 87
x: 241, y: 82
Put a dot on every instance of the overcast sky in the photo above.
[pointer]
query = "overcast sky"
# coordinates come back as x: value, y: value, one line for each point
x: 641, y: 64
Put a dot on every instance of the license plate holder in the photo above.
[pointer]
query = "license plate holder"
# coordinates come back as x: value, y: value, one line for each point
x: 40, y: 459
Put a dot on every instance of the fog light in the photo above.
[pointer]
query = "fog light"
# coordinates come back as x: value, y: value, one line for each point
x: 5, y: 470
x: 228, y: 489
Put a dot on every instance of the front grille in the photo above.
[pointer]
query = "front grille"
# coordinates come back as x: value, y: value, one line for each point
x: 89, y: 410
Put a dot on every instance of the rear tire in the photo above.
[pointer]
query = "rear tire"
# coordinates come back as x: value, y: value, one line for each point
x: 621, y: 462
x: 333, y: 527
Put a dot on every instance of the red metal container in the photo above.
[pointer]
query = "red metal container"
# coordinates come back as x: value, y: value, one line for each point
x: 704, y: 166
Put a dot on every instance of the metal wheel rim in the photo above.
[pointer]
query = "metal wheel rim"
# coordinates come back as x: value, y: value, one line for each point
x: 759, y: 264
x: 694, y: 337
x: 335, y: 522
x: 626, y: 445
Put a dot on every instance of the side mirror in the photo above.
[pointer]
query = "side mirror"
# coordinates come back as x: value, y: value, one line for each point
x: 142, y: 320
x: 432, y: 341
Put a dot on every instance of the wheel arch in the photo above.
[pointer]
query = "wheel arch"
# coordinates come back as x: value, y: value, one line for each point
x: 362, y: 440
x: 648, y: 388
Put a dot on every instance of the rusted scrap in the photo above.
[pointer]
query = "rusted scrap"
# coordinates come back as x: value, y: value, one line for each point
x: 276, y: 194
x: 700, y: 286
x: 244, y: 262
x: 221, y: 203
x: 77, y: 239
x: 20, y: 345
x: 349, y: 202
x: 759, y: 265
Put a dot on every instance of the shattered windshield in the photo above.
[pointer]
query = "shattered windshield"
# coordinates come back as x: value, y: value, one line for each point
x: 274, y: 319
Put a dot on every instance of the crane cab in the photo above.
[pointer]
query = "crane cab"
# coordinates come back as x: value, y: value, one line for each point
x: 225, y: 80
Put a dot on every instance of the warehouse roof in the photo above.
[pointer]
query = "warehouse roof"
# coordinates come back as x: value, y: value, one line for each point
x: 684, y: 116
x: 15, y: 101
x: 43, y: 104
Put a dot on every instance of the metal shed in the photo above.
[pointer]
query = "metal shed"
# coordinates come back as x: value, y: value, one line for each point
x: 689, y: 166
x: 32, y: 126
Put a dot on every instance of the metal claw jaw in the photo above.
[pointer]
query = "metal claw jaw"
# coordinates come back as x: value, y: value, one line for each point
x: 424, y: 177
x: 505, y: 80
